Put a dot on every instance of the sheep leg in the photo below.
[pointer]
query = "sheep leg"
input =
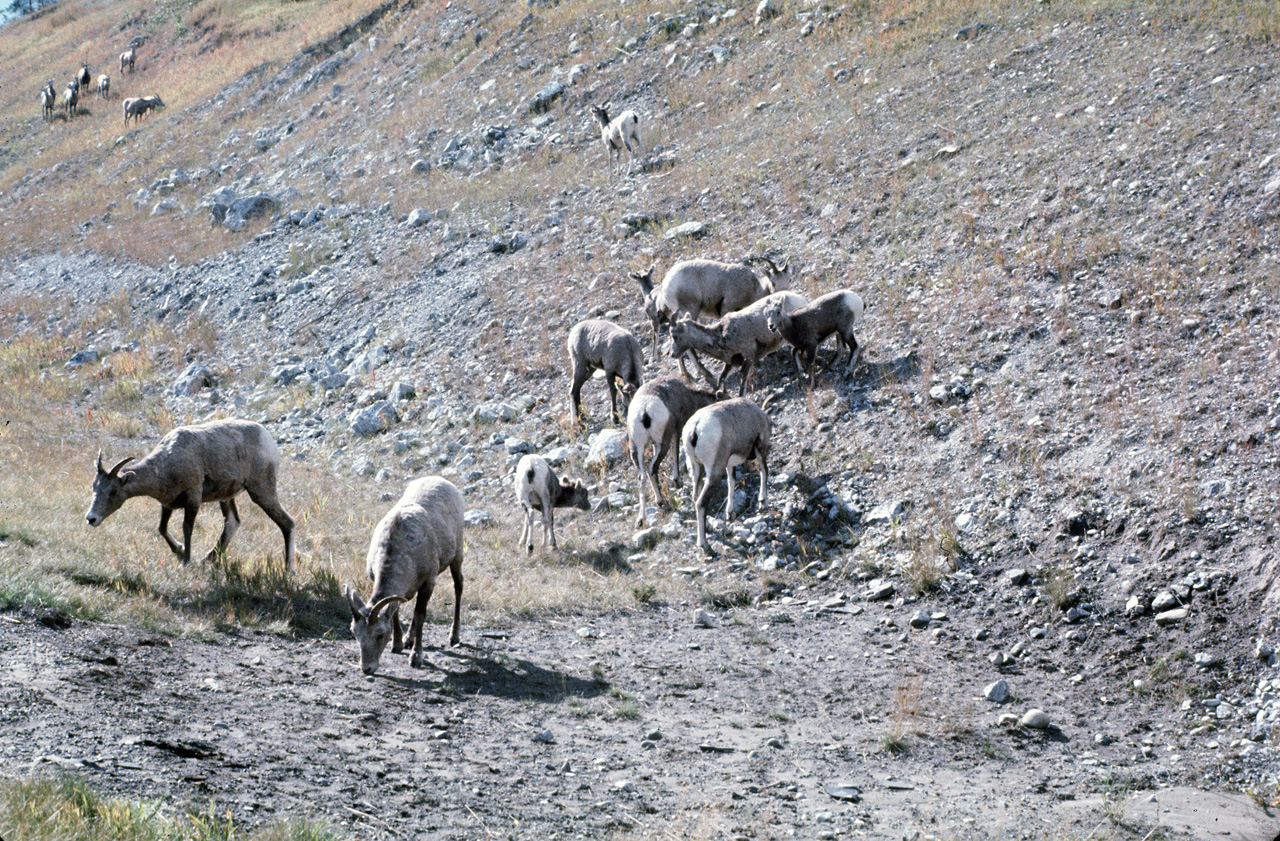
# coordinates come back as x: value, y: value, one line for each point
x: 548, y: 523
x: 419, y: 616
x: 580, y: 375
x: 526, y: 533
x: 613, y: 395
x: 230, y: 525
x: 855, y: 350
x: 165, y: 513
x: 279, y: 516
x: 764, y: 475
x: 455, y: 569
x: 397, y: 633
x: 637, y: 456
x: 188, y: 523
x: 711, y: 479
x: 706, y: 375
x: 728, y: 503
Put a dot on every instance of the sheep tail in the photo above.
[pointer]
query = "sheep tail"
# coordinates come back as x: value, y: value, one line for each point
x: 645, y: 420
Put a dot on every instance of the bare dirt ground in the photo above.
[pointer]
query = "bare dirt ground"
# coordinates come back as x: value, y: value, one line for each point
x: 789, y: 720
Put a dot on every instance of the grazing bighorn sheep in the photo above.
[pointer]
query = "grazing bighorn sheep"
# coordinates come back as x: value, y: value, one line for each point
x: 623, y: 131
x: 104, y: 86
x: 598, y: 344
x: 127, y: 58
x: 806, y: 328
x: 657, y: 413
x: 70, y: 96
x: 539, y: 489
x: 718, y: 438
x: 739, y: 338
x: 708, y: 287
x: 414, y: 542
x: 192, y: 465
x: 48, y: 100
x: 137, y: 107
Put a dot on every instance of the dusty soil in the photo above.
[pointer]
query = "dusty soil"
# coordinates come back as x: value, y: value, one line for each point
x: 773, y: 723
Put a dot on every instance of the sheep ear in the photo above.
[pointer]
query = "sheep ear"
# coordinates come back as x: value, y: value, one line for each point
x: 356, y: 604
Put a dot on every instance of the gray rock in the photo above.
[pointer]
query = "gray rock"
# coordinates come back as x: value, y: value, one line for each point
x: 367, y: 361
x: 1163, y: 601
x: 645, y: 539
x: 194, y: 378
x: 558, y: 455
x: 1017, y: 577
x: 492, y: 412
x: 543, y: 99
x: 692, y: 230
x: 165, y: 206
x: 1134, y: 607
x: 420, y: 166
x: 517, y: 446
x: 401, y: 391
x: 375, y: 419
x: 81, y: 358
x: 703, y: 619
x: 1035, y: 719
x: 608, y: 447
x: 417, y: 218
x: 842, y: 790
x: 1171, y: 617
x: 919, y: 619
x: 886, y: 512
x: 477, y: 517
x: 879, y: 589
x: 997, y: 692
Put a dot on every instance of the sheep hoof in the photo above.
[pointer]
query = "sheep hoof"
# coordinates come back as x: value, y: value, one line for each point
x: 397, y: 649
x: 455, y: 639
x: 417, y: 661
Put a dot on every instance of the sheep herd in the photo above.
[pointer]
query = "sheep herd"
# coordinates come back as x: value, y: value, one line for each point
x: 422, y: 535
x: 78, y: 88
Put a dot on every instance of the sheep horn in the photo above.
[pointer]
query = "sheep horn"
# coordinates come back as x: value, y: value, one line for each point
x: 112, y: 472
x: 377, y: 608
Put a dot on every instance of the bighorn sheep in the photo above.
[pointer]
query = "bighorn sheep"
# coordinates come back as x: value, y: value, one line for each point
x: 138, y: 106
x: 538, y: 489
x: 48, y: 100
x: 104, y: 86
x: 805, y: 328
x: 192, y: 465
x: 739, y: 338
x: 127, y: 58
x: 599, y: 344
x: 70, y: 96
x: 657, y: 413
x: 623, y: 131
x: 414, y: 542
x: 718, y: 438
x: 83, y: 78
x: 708, y: 287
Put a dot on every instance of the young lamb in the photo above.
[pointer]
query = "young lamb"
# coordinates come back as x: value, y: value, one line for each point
x: 127, y: 58
x: 70, y: 96
x: 104, y: 86
x: 657, y: 413
x: 805, y: 328
x: 740, y: 338
x: 139, y: 106
x: 598, y: 344
x: 538, y: 489
x: 708, y: 287
x: 48, y: 100
x: 718, y: 438
x: 623, y: 131
x: 192, y: 465
x: 414, y: 542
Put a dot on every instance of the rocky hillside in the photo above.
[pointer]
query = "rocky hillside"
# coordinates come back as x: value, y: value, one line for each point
x: 1059, y: 450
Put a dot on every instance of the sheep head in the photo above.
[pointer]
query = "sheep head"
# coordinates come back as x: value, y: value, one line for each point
x: 110, y: 490
x: 372, y: 627
x: 573, y: 492
x: 601, y: 114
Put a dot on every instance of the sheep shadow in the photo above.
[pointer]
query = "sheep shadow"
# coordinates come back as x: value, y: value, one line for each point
x: 482, y: 671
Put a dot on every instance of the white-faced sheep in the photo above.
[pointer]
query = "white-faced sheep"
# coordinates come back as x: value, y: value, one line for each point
x: 192, y: 465
x: 137, y: 107
x: 104, y: 86
x: 621, y: 132
x: 658, y: 412
x: 740, y: 338
x: 596, y: 344
x: 70, y: 96
x: 412, y: 545
x: 805, y: 328
x: 708, y: 287
x: 539, y: 489
x: 127, y: 58
x: 48, y: 100
x: 718, y: 438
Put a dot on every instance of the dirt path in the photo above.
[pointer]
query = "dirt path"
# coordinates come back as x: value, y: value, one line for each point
x: 646, y: 724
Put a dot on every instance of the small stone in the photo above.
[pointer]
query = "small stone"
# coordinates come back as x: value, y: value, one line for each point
x: 703, y: 619
x: 1134, y: 607
x: 1171, y: 617
x: 545, y: 737
x: 1035, y: 719
x: 1163, y: 601
x: 878, y: 590
x: 843, y: 791
x: 1017, y: 576
x: 919, y: 619
x: 477, y: 517
x: 997, y: 692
